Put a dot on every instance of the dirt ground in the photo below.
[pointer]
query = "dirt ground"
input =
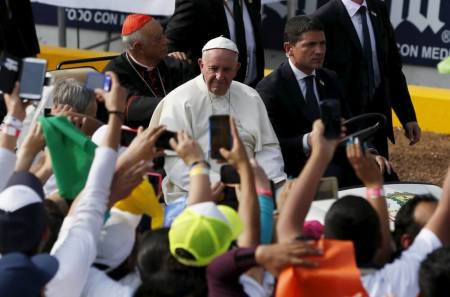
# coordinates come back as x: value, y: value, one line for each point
x: 427, y: 161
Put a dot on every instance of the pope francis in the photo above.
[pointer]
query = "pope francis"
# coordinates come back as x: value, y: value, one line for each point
x: 214, y: 92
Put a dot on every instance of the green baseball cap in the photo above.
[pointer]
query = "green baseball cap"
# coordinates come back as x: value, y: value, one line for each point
x: 202, y: 232
x: 444, y: 66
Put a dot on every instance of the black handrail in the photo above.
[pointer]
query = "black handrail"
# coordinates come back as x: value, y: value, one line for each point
x: 85, y: 60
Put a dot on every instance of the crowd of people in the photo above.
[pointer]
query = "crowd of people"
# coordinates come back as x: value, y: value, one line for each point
x: 80, y: 214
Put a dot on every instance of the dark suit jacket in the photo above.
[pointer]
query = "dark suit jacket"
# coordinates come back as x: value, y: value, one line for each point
x: 288, y: 112
x: 17, y: 34
x: 17, y: 30
x: 195, y: 22
x: 345, y: 56
x: 141, y: 101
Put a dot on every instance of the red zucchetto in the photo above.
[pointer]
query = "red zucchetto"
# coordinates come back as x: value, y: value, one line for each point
x: 134, y: 22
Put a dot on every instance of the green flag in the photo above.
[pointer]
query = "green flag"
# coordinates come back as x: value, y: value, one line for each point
x: 444, y: 66
x: 71, y: 153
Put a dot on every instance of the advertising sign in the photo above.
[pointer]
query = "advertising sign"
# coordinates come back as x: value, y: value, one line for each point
x: 422, y: 27
x: 157, y: 7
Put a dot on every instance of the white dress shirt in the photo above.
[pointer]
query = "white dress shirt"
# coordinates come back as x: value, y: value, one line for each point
x: 99, y: 284
x: 76, y: 246
x: 300, y: 77
x: 250, y: 72
x: 352, y: 9
x: 401, y: 277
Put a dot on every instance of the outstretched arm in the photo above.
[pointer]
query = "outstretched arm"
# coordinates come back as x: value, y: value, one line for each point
x: 248, y: 204
x: 12, y: 121
x: 367, y: 171
x: 191, y: 154
x: 440, y: 220
x: 81, y: 228
x: 297, y: 204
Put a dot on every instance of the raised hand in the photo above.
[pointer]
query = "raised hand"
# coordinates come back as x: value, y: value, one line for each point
x: 35, y: 141
x: 237, y: 156
x: 126, y: 179
x: 217, y: 191
x: 187, y: 148
x: 14, y: 104
x: 33, y: 144
x: 365, y: 166
x: 261, y: 179
x: 115, y: 100
x: 275, y: 257
x: 143, y: 146
x: 383, y: 164
x: 321, y: 145
x: 61, y: 110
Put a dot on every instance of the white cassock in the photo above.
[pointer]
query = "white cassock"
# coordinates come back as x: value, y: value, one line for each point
x: 189, y: 107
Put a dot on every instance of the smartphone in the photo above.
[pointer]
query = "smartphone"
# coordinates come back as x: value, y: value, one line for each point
x: 97, y: 80
x: 229, y: 175
x: 127, y: 136
x: 330, y: 113
x: 219, y: 135
x: 9, y: 73
x: 155, y: 180
x: 32, y: 78
x: 163, y: 140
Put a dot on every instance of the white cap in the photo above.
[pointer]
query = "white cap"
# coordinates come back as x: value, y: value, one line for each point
x: 99, y: 135
x: 220, y: 42
x: 117, y: 238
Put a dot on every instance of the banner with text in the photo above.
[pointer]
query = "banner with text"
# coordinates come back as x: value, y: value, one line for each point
x: 157, y: 7
x: 422, y: 27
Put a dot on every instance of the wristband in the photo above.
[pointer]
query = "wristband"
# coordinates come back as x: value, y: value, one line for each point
x: 12, y: 121
x: 266, y: 209
x: 204, y: 162
x: 120, y: 114
x: 198, y: 170
x: 10, y: 130
x: 376, y: 192
x: 264, y: 192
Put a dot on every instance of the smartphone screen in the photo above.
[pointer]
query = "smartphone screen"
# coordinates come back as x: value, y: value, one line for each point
x: 330, y: 113
x: 32, y: 78
x: 163, y: 140
x: 97, y: 80
x: 219, y: 134
x: 127, y: 136
x: 155, y: 180
x: 229, y: 175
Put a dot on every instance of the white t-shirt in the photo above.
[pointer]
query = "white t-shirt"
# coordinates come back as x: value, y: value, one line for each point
x: 7, y: 163
x: 254, y: 289
x: 101, y: 285
x: 76, y: 246
x: 401, y: 278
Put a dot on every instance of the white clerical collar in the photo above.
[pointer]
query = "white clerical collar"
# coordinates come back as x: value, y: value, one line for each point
x: 221, y: 97
x: 299, y: 75
x: 352, y: 7
x: 140, y: 64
